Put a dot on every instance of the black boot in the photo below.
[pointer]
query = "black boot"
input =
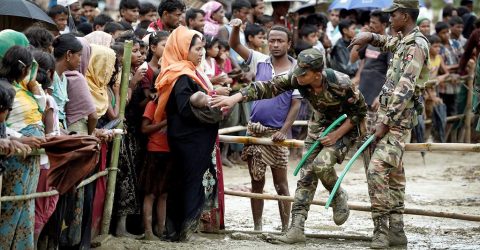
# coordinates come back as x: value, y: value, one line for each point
x: 396, y: 234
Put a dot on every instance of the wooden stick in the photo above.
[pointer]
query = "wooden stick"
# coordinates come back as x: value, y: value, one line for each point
x: 357, y: 207
x: 52, y: 192
x: 231, y: 130
x: 422, y: 147
x: 449, y: 119
x: 308, y: 235
x: 112, y: 177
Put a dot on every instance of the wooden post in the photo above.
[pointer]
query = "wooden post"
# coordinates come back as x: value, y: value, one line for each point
x: 468, y: 107
x: 112, y: 176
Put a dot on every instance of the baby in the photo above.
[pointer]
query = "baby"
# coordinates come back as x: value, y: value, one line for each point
x: 199, y: 102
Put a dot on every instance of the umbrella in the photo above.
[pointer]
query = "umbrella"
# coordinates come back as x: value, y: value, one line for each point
x: 359, y: 4
x: 21, y: 14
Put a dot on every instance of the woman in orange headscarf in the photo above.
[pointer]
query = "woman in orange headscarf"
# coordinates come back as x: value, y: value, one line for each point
x: 191, y: 141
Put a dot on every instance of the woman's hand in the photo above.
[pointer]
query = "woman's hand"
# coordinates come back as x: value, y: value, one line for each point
x: 20, y: 148
x: 223, y: 91
x: 225, y: 102
x: 116, y: 89
x: 33, y: 142
x: 139, y: 74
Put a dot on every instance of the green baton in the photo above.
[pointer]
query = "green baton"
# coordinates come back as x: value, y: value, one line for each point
x: 315, y: 145
x: 347, y: 167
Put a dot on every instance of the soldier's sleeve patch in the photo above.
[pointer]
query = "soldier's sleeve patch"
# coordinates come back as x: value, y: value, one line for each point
x: 409, y: 57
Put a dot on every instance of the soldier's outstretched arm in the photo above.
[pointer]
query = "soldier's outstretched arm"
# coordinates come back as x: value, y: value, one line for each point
x: 385, y: 43
x: 268, y: 89
x: 411, y: 68
x: 257, y: 91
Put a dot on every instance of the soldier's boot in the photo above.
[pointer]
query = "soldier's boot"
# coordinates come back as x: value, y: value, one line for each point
x: 340, y: 207
x: 295, y: 234
x: 380, y: 233
x: 396, y: 234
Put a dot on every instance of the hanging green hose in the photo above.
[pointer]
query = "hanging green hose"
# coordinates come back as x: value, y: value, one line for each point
x: 347, y: 167
x: 315, y: 145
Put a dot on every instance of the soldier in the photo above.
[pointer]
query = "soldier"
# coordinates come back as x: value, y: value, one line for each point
x: 330, y: 93
x: 399, y: 104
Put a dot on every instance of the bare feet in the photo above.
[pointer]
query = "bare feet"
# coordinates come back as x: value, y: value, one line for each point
x: 150, y: 236
x: 226, y: 162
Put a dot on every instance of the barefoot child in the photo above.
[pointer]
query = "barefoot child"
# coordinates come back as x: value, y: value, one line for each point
x: 154, y: 177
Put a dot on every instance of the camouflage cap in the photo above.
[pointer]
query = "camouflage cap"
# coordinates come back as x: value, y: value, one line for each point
x: 308, y: 59
x: 404, y: 4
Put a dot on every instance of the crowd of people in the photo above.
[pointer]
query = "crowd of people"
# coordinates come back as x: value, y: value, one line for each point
x: 195, y: 70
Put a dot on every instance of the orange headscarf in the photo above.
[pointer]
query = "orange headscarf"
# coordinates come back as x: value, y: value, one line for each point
x: 175, y: 64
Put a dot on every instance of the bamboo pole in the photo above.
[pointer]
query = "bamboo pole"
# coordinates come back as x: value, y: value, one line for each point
x: 468, y: 108
x: 260, y: 141
x: 357, y: 207
x: 449, y: 118
x: 52, y: 192
x: 112, y: 177
x: 230, y: 130
x: 422, y: 147
x: 308, y: 235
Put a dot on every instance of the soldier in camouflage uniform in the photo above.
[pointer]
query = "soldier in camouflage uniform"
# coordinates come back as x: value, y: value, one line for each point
x: 330, y: 94
x: 399, y: 104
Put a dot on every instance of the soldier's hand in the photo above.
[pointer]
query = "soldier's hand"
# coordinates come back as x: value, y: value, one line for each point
x: 329, y: 140
x: 361, y: 39
x: 380, y: 130
x: 279, y: 136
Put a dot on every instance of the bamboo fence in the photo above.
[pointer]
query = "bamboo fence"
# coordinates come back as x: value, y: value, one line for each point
x: 420, y: 147
x: 356, y: 207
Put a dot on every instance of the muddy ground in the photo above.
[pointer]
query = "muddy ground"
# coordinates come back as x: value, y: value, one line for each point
x: 448, y: 182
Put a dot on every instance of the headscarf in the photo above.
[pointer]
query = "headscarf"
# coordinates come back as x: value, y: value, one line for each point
x: 100, y: 38
x: 10, y: 38
x: 421, y: 19
x: 99, y: 74
x: 86, y: 53
x: 175, y: 64
x: 211, y: 26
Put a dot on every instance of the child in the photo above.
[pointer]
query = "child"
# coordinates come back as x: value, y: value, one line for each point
x: 309, y: 34
x: 212, y: 51
x: 59, y: 14
x: 200, y: 107
x: 44, y: 207
x: 156, y: 46
x: 155, y: 172
x: 255, y: 36
x: 90, y: 10
x: 431, y: 98
x: 129, y: 11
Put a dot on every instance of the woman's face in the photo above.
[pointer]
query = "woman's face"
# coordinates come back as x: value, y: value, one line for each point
x: 160, y: 48
x: 137, y: 58
x: 213, y: 51
x: 218, y: 15
x: 73, y: 60
x: 196, y: 52
x: 424, y: 27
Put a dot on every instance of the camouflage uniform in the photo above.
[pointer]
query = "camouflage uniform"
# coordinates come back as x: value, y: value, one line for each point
x: 337, y: 97
x: 406, y: 76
